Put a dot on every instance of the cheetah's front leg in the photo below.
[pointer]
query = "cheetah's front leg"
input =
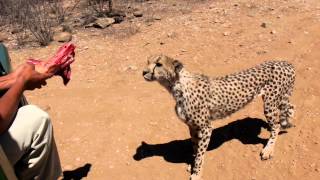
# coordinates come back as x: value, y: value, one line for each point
x: 204, y: 135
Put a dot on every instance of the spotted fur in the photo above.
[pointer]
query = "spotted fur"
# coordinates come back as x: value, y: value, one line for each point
x: 200, y: 99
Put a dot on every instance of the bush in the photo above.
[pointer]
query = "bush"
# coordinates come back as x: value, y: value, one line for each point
x: 35, y: 16
x: 101, y: 7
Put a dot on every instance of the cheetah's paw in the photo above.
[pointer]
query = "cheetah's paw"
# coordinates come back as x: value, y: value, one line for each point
x: 267, y: 153
x: 189, y: 168
x: 195, y: 177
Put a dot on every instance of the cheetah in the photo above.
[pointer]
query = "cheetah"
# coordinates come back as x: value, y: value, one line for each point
x: 200, y: 99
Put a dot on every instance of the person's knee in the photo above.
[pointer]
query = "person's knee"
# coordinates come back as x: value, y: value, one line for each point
x: 30, y: 127
x: 33, y: 117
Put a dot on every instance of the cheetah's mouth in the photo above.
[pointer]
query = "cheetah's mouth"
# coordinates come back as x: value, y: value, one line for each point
x: 148, y: 75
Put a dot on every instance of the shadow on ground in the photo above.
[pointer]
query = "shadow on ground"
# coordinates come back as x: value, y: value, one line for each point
x: 180, y: 151
x: 78, y: 173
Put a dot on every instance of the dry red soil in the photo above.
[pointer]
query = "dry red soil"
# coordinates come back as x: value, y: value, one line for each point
x: 108, y: 109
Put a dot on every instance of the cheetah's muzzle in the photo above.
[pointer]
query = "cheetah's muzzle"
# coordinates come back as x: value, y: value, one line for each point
x: 147, y: 75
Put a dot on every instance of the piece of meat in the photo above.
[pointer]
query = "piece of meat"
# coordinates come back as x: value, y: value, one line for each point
x: 63, y: 58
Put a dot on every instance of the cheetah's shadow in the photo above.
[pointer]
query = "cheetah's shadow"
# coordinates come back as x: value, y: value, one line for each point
x: 180, y: 151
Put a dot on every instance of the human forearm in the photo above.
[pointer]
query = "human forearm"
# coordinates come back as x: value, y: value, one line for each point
x: 24, y: 78
x: 7, y: 81
x: 9, y: 103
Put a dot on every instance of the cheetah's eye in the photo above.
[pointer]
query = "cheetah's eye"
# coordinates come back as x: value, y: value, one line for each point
x: 158, y: 64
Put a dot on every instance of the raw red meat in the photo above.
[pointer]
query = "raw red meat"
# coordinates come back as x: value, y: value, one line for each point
x: 63, y: 58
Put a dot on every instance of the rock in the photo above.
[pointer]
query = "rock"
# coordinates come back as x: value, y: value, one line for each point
x: 149, y: 24
x: 226, y: 33
x: 138, y: 13
x: 118, y: 19
x: 183, y: 50
x: 62, y: 37
x: 131, y: 68
x: 158, y: 18
x: 261, y: 52
x: 264, y: 25
x: 102, y: 23
x: 273, y: 32
x: 171, y: 34
x: 3, y: 37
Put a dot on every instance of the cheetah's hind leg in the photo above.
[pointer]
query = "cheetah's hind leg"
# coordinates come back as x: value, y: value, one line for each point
x: 286, y: 113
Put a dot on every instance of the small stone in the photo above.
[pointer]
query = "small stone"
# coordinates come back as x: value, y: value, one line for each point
x: 131, y: 68
x: 157, y: 18
x: 118, y: 19
x: 138, y: 13
x: 261, y: 52
x: 149, y: 24
x: 162, y: 43
x: 217, y: 20
x: 183, y: 50
x: 226, y: 33
x: 78, y: 159
x: 103, y: 22
x: 171, y: 34
x: 273, y: 32
x: 62, y: 37
x: 264, y: 25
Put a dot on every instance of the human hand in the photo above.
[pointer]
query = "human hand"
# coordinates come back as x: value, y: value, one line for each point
x: 31, y: 79
x: 50, y: 67
x: 59, y: 64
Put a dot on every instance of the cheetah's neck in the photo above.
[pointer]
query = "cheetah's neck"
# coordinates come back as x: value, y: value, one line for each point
x: 178, y: 87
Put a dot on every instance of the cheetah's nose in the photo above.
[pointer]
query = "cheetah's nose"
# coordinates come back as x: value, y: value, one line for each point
x: 144, y: 72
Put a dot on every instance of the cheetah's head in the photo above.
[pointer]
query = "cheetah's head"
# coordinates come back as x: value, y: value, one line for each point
x: 161, y: 68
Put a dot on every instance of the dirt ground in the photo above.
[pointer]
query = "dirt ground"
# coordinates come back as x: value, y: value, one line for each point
x: 126, y: 128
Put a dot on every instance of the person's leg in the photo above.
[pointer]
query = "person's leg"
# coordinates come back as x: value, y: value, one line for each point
x: 29, y: 145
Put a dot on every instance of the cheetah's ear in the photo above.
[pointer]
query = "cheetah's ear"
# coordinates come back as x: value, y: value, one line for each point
x: 177, y: 65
